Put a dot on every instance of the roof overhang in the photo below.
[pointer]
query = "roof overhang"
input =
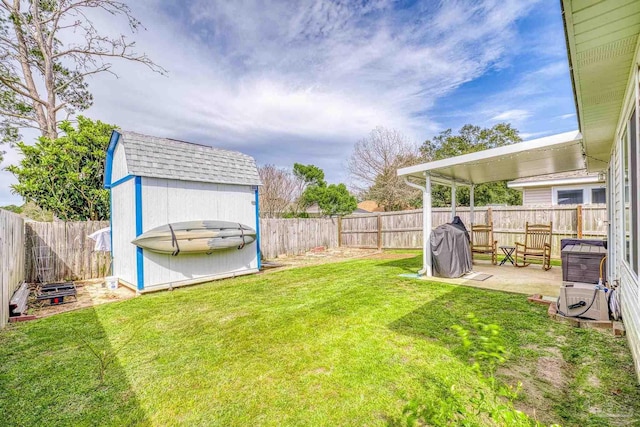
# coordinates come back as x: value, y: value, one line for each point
x: 602, y: 39
x: 552, y: 154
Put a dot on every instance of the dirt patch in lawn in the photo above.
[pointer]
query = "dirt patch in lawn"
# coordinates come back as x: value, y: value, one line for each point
x: 391, y: 255
x: 323, y: 255
x: 543, y: 383
x: 89, y: 293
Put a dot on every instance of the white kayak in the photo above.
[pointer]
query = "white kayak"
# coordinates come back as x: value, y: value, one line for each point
x: 192, y: 237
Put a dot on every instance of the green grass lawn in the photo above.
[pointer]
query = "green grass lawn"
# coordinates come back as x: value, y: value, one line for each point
x: 342, y: 344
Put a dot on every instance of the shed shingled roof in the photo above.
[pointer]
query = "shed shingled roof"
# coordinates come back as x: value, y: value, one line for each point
x: 155, y: 157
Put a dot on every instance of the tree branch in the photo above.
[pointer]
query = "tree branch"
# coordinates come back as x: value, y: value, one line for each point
x: 15, y: 115
x: 60, y: 107
x: 17, y: 89
x: 81, y: 76
x: 144, y: 59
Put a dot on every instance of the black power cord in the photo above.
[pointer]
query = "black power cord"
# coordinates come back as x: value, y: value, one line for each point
x: 593, y: 299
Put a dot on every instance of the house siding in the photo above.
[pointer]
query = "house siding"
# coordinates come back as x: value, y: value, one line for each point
x: 536, y: 196
x: 621, y: 272
x: 617, y: 214
x: 629, y: 299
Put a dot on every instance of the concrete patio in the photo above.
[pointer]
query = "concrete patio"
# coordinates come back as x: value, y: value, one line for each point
x: 526, y: 280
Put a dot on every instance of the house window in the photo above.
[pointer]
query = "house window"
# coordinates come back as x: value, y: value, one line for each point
x: 633, y: 164
x: 570, y: 197
x: 598, y: 195
x: 630, y: 182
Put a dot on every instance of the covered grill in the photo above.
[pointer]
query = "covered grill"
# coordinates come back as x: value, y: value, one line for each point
x: 450, y: 250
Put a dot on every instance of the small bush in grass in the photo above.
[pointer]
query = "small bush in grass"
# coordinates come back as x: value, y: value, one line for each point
x: 483, y: 345
x: 104, y: 357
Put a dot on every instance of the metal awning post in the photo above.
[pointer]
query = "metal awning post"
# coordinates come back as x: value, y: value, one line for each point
x: 426, y: 232
x: 426, y: 223
x: 453, y: 200
x: 471, y: 201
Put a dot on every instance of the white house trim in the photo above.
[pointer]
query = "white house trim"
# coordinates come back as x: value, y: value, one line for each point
x: 549, y: 182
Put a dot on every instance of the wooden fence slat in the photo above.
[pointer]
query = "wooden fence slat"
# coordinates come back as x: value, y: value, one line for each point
x: 12, y: 260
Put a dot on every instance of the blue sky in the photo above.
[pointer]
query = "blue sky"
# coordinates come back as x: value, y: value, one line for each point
x: 303, y: 81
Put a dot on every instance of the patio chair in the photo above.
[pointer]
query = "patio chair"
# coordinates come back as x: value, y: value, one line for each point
x: 537, y: 245
x: 482, y: 241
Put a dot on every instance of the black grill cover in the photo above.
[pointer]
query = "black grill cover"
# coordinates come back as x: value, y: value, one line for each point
x: 450, y: 251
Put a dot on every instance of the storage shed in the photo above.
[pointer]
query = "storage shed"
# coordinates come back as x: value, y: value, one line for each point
x: 158, y: 181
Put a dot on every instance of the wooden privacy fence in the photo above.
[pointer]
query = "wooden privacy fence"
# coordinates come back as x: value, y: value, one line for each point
x: 296, y: 236
x: 63, y: 251
x: 399, y: 230
x: 11, y: 259
x: 58, y: 251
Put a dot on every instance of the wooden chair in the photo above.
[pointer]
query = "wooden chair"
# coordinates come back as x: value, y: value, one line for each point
x: 537, y: 245
x: 482, y: 241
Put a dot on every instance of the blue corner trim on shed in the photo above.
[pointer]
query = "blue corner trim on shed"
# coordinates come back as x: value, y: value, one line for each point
x: 115, y: 137
x: 113, y: 141
x: 122, y: 180
x: 111, y: 231
x: 258, y: 228
x: 139, y: 252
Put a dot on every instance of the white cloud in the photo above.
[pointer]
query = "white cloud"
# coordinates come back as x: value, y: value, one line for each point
x: 302, y: 81
x: 312, y: 70
x: 512, y: 116
x: 526, y: 136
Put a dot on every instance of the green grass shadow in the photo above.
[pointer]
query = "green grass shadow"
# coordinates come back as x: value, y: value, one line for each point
x: 60, y: 386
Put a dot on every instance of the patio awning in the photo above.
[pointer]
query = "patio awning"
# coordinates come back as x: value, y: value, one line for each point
x: 556, y: 153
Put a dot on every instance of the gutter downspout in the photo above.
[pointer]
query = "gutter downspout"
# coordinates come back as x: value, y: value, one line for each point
x: 427, y: 226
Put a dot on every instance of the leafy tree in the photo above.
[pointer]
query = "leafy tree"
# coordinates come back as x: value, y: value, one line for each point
x: 373, y: 166
x: 32, y: 211
x: 65, y: 175
x: 333, y: 199
x: 309, y: 175
x: 12, y: 208
x: 470, y: 139
x: 48, y: 48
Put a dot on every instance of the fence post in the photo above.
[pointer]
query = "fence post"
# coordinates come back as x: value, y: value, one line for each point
x: 489, y: 215
x: 339, y: 231
x: 379, y: 232
x: 579, y: 221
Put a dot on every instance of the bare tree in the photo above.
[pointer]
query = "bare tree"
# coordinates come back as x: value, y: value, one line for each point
x: 47, y: 49
x: 373, y: 166
x: 280, y: 191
